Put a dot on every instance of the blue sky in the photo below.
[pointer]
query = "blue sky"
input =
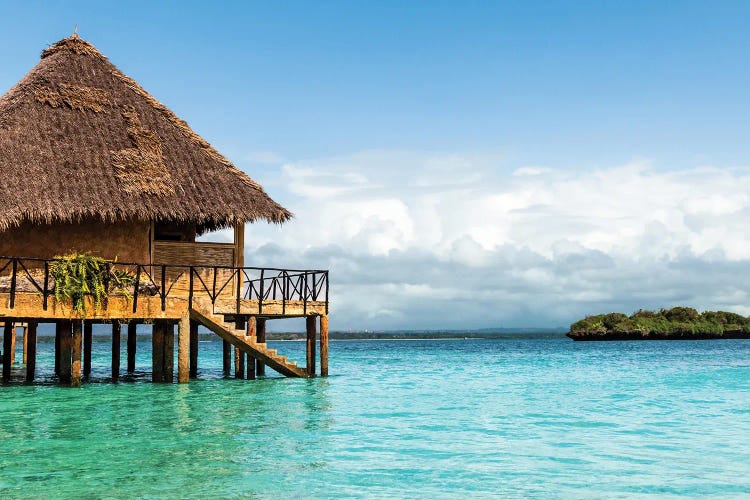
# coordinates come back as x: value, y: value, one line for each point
x: 521, y: 163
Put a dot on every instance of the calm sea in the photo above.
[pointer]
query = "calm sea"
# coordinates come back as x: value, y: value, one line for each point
x: 542, y: 418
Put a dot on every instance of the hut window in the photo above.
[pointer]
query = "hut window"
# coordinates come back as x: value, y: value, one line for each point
x: 174, y: 231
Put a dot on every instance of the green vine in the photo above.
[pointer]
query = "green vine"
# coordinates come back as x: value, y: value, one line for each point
x: 78, y: 276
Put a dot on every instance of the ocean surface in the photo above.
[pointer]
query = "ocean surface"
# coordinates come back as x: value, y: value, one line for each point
x: 511, y: 418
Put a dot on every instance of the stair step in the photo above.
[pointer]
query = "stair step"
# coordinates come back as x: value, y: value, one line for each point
x: 272, y: 352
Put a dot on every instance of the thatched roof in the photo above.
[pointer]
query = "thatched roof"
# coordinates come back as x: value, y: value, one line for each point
x: 79, y: 139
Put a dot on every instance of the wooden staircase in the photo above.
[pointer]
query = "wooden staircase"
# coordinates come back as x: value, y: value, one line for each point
x: 203, y: 314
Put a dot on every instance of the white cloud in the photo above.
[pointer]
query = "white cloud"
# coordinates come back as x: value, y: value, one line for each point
x: 416, y: 236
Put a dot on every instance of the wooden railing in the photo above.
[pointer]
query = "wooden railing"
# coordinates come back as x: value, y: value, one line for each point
x: 19, y: 274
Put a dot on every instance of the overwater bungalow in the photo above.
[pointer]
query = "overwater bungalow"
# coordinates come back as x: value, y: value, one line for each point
x: 95, y: 168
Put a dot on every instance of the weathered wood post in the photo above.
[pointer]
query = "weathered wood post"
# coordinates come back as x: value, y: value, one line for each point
x: 260, y: 328
x: 13, y: 344
x: 184, y: 340
x: 157, y: 352
x: 193, y: 349
x: 132, y: 344
x: 226, y: 357
x: 239, y: 363
x: 116, y: 339
x: 87, y: 339
x: 311, y: 334
x: 66, y: 350
x: 168, y: 352
x: 250, y: 333
x: 7, y: 340
x: 324, y: 345
x: 25, y: 343
x: 77, y: 341
x: 58, y: 336
x: 31, y: 350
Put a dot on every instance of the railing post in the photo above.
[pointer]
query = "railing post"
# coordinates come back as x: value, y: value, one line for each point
x: 326, y: 275
x: 46, y: 284
x: 137, y: 287
x: 13, y: 284
x: 213, y: 293
x: 304, y: 296
x: 190, y: 293
x: 283, y: 291
x: 239, y: 285
x: 261, y: 297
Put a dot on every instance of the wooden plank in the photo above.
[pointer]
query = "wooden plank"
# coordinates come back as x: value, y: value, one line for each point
x: 116, y: 345
x: 311, y: 334
x: 31, y: 330
x: 77, y: 341
x: 87, y: 339
x: 193, y: 349
x: 324, y: 346
x: 7, y: 340
x: 183, y: 349
x: 168, y: 352
x: 132, y: 345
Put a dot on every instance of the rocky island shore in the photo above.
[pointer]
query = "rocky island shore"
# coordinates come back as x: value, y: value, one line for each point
x: 678, y: 323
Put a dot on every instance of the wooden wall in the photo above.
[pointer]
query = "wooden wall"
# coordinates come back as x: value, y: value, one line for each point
x: 126, y: 241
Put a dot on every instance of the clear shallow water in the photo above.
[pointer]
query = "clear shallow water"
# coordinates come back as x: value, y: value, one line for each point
x: 480, y: 418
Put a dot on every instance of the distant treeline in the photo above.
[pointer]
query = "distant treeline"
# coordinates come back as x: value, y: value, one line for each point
x: 676, y: 323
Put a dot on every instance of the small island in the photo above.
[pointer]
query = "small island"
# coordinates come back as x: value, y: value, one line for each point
x: 678, y: 323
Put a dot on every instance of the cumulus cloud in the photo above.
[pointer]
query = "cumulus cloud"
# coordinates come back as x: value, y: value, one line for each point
x: 419, y: 240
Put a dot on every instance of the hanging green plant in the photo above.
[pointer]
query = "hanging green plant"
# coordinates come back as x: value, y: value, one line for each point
x: 77, y: 276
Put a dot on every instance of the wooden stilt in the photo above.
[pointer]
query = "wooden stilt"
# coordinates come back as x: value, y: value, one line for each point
x: 239, y: 363
x: 157, y: 352
x: 77, y: 341
x: 193, y: 349
x: 13, y: 344
x: 87, y: 339
x: 58, y: 336
x: 116, y: 343
x: 30, y: 350
x: 7, y: 341
x: 324, y: 346
x: 66, y: 350
x: 183, y: 349
x: 311, y: 334
x: 260, y: 329
x: 226, y: 357
x: 25, y: 343
x: 168, y: 352
x: 132, y: 343
x: 250, y: 333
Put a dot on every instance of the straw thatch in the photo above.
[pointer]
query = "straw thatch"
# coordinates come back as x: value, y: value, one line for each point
x: 79, y: 139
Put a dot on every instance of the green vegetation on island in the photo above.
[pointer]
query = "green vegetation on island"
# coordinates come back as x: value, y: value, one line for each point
x: 673, y: 324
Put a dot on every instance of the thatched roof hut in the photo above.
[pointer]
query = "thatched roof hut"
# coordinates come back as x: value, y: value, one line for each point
x: 83, y: 145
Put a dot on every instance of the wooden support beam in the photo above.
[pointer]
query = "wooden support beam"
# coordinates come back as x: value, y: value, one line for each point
x: 324, y: 346
x: 157, y: 352
x: 193, y: 349
x: 132, y: 345
x: 87, y: 339
x: 311, y: 334
x: 31, y: 329
x: 250, y: 333
x: 7, y: 340
x: 25, y: 343
x: 77, y: 341
x: 116, y: 344
x: 239, y: 363
x: 183, y: 349
x: 13, y: 344
x: 168, y: 352
x: 260, y: 329
x: 226, y: 357
x: 66, y: 350
x: 58, y: 336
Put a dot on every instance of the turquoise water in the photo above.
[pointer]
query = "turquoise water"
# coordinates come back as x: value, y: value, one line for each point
x: 541, y: 418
